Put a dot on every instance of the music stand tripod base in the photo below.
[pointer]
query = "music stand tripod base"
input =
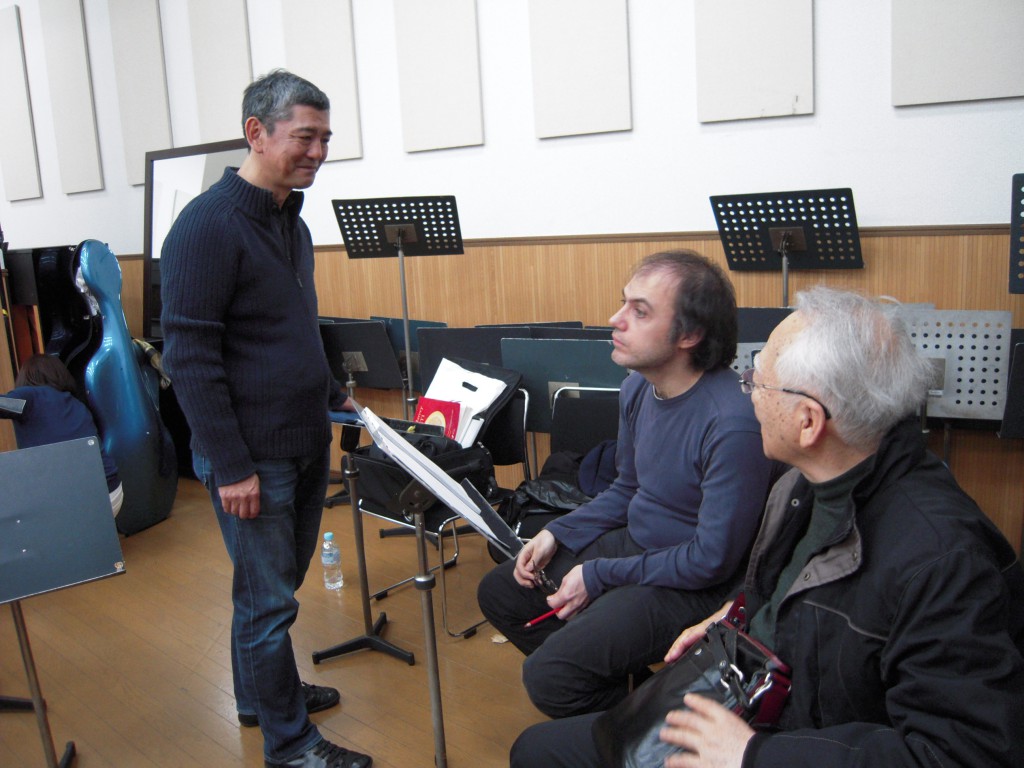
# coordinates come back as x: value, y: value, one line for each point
x: 371, y: 639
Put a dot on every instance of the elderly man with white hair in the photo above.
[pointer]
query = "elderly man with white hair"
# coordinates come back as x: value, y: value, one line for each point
x: 896, y: 602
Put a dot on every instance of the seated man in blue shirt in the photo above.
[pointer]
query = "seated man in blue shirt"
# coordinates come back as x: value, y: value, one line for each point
x: 661, y: 547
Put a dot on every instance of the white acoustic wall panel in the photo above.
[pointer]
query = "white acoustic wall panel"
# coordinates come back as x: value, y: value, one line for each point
x: 754, y: 59
x: 325, y: 54
x: 220, y: 58
x: 580, y: 55
x: 141, y: 81
x: 74, y: 117
x: 19, y: 163
x: 949, y: 50
x: 438, y: 73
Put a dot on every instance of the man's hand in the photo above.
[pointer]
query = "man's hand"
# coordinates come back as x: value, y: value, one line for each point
x: 242, y: 499
x: 533, y: 557
x: 691, y: 635
x: 714, y: 736
x: 571, y: 597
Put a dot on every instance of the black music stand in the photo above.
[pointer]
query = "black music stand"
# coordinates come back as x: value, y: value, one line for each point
x: 34, y: 561
x: 1017, y: 234
x: 804, y: 229
x: 551, y: 364
x: 395, y: 326
x: 361, y: 352
x: 481, y: 345
x: 411, y: 226
x: 360, y: 355
x: 755, y: 324
x: 550, y: 324
x: 599, y: 334
x: 1012, y: 425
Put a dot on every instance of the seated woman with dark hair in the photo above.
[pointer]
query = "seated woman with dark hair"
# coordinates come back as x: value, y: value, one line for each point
x: 53, y: 414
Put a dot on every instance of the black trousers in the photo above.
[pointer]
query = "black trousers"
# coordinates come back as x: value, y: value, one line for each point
x: 565, y: 743
x: 584, y: 665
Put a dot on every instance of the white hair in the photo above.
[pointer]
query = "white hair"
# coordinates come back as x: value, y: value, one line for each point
x: 856, y: 356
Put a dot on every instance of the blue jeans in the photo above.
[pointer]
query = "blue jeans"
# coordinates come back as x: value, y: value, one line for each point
x: 271, y: 554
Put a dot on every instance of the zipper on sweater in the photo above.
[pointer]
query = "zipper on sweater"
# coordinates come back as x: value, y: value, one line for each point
x: 287, y: 235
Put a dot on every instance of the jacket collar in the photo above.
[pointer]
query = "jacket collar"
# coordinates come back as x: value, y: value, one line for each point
x: 902, y: 449
x: 789, y: 507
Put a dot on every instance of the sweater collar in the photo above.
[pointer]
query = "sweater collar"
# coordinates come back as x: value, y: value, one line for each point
x: 256, y: 201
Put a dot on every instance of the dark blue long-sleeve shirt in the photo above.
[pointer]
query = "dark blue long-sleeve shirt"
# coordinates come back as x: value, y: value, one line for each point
x: 691, y: 487
x: 52, y: 416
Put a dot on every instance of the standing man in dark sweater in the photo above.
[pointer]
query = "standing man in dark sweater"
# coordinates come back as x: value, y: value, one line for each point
x: 662, y: 545
x: 243, y: 348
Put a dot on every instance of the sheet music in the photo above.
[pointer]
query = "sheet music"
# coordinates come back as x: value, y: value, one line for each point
x: 442, y: 485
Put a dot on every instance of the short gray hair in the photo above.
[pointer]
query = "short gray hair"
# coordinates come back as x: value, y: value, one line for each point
x: 270, y: 98
x: 855, y: 354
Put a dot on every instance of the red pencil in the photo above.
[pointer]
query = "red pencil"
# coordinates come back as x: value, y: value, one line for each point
x: 541, y: 618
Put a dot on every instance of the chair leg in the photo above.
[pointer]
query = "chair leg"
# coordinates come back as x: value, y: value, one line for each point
x: 471, y: 629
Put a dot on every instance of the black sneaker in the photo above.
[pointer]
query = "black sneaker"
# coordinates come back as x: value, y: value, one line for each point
x: 326, y: 755
x: 318, y: 698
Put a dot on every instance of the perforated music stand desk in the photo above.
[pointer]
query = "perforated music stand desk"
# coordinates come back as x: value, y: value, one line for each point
x: 803, y: 229
x: 400, y: 226
x: 56, y: 531
x: 549, y: 364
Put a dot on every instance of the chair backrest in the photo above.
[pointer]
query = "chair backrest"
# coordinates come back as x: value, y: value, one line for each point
x: 505, y: 436
x: 582, y: 417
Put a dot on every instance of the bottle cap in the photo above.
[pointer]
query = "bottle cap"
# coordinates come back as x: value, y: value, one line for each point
x: 328, y: 536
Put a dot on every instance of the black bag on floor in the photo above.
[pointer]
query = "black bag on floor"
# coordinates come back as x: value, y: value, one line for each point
x: 386, y: 489
x: 566, y: 481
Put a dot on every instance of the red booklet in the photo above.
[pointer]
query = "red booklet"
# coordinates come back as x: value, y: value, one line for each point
x: 444, y: 413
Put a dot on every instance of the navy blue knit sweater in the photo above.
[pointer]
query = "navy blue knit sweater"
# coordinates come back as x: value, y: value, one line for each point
x: 242, y: 343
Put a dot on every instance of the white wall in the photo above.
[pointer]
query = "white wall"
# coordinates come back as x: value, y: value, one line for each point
x: 938, y: 164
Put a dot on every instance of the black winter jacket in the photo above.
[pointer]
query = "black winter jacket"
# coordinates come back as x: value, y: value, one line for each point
x: 905, y: 632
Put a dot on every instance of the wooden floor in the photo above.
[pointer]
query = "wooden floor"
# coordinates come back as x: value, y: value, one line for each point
x: 135, y: 669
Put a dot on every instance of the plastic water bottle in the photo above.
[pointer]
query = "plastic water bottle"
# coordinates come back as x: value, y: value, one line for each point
x: 330, y: 556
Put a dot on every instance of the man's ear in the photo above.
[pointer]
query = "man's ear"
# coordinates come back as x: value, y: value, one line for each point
x: 689, y: 341
x: 812, y: 424
x: 255, y: 132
